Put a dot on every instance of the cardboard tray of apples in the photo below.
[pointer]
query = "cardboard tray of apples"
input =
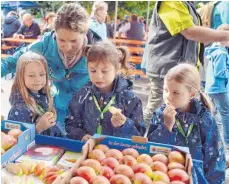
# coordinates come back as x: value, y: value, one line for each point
x: 15, y: 139
x: 140, y: 162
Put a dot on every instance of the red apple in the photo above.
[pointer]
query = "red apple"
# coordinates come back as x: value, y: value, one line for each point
x: 131, y: 151
x: 161, y: 158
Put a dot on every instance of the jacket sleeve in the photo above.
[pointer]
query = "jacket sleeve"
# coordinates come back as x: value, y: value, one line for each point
x: 74, y: 122
x: 18, y: 24
x: 21, y: 29
x: 158, y: 132
x: 8, y: 65
x: 214, y: 159
x: 219, y: 66
x: 20, y: 113
x: 134, y: 124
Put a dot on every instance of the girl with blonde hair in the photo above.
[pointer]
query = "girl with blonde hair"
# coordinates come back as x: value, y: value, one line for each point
x: 30, y: 97
x: 89, y: 109
x: 186, y: 120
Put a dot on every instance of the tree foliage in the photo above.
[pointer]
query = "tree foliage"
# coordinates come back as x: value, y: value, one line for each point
x: 124, y: 7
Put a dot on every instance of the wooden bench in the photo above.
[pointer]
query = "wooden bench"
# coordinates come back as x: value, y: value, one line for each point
x: 135, y: 59
x: 4, y: 55
x: 6, y: 47
x: 135, y: 72
x: 139, y: 50
x: 129, y: 42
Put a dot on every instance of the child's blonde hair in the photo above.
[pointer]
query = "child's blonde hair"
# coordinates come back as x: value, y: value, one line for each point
x: 19, y: 82
x: 107, y: 51
x: 188, y: 75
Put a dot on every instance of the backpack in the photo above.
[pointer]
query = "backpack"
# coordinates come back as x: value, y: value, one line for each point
x: 205, y: 13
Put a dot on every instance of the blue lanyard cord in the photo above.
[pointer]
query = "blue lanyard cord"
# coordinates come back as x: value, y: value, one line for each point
x: 112, y: 101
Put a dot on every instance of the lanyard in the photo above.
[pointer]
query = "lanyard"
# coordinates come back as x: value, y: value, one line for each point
x: 40, y: 109
x: 182, y: 131
x: 99, y: 127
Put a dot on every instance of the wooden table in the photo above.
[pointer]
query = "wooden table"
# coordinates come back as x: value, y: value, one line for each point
x: 17, y: 40
x: 135, y: 59
x: 4, y: 55
x: 6, y: 47
x: 130, y: 42
x: 139, y: 50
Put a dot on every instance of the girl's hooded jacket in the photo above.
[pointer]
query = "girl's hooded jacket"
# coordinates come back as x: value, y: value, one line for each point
x: 84, y: 116
x: 204, y: 142
x: 22, y: 113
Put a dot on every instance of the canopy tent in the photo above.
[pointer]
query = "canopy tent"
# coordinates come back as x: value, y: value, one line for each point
x: 18, y: 4
x: 7, y: 6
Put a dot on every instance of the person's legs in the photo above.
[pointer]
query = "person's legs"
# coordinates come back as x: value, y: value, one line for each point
x: 155, y: 99
x: 221, y: 101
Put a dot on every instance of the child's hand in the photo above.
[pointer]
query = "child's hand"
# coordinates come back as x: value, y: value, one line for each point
x: 117, y: 119
x: 169, y: 116
x: 45, y: 122
x: 86, y: 138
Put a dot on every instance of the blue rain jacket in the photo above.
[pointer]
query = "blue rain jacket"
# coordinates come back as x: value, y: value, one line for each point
x: 64, y: 87
x: 217, y: 74
x: 204, y: 142
x: 84, y: 117
x: 21, y: 112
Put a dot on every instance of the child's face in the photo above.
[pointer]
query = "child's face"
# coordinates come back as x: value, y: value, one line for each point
x: 35, y: 76
x: 177, y: 95
x: 102, y: 75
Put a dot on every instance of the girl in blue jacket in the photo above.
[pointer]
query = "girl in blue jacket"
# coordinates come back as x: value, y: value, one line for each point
x: 89, y: 109
x: 30, y: 97
x: 217, y: 82
x: 186, y: 120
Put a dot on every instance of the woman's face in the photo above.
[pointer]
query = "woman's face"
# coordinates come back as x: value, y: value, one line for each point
x: 69, y: 42
x: 101, y: 15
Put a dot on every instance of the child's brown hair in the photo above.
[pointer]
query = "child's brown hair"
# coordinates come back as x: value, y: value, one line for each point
x: 107, y: 51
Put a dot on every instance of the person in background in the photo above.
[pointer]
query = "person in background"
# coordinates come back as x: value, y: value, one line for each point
x: 217, y: 82
x: 89, y: 108
x: 98, y: 17
x: 186, y: 120
x: 62, y: 49
x: 50, y: 22
x: 179, y: 38
x: 11, y: 24
x: 220, y: 14
x: 110, y: 31
x: 30, y: 96
x: 29, y: 29
x: 133, y: 30
x: 118, y: 25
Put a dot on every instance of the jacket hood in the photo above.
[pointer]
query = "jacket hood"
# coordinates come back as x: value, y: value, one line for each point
x: 213, y: 49
x: 10, y: 19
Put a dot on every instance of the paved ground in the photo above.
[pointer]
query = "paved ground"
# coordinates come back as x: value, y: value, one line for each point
x: 141, y: 88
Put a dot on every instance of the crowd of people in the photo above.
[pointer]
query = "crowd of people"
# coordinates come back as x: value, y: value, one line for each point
x: 66, y: 81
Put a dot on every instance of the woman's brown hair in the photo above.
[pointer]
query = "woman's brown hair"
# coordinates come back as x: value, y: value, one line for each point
x: 72, y: 16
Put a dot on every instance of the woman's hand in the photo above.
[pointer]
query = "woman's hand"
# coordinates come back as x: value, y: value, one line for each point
x: 169, y: 114
x: 45, y: 122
